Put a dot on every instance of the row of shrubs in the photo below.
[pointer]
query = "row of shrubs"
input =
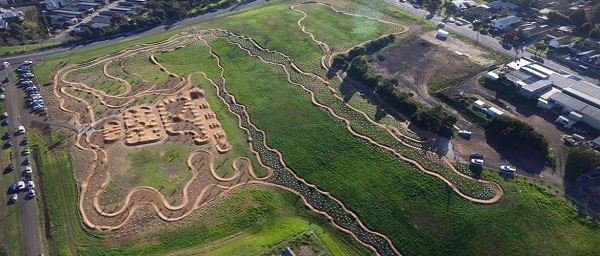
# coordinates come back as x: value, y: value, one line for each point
x: 432, y: 119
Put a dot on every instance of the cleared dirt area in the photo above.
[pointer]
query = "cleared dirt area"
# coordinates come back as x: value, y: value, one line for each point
x: 419, y: 63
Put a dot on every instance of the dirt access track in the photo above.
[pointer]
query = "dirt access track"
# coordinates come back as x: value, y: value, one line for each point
x: 177, y: 109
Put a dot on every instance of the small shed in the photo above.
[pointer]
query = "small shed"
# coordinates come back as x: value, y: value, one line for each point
x: 492, y: 76
x: 442, y: 34
x: 478, y: 105
x: 492, y: 111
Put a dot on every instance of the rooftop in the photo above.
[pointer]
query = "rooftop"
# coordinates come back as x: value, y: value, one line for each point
x: 585, y: 91
x: 537, y: 85
x: 576, y: 105
x: 560, y: 81
x: 508, y: 20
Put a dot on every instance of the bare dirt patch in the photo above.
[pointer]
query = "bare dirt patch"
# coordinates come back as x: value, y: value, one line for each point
x: 418, y: 64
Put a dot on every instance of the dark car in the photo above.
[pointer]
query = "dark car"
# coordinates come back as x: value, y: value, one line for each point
x: 476, y: 155
x: 6, y: 136
x: 5, y: 122
x: 24, y: 142
x: 10, y: 167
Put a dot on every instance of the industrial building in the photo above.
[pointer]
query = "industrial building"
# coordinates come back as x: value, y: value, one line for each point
x: 576, y: 99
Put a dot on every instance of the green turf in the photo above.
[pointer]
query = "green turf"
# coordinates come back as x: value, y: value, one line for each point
x: 260, y: 24
x: 140, y: 64
x: 190, y: 59
x: 340, y: 29
x: 16, y: 49
x: 259, y: 218
x: 159, y: 166
x: 429, y: 219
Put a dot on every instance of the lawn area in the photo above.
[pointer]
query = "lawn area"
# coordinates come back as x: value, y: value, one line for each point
x: 259, y: 24
x: 343, y: 31
x: 154, y: 165
x: 7, y: 50
x: 248, y: 222
x: 190, y: 59
x: 429, y: 218
x: 140, y: 64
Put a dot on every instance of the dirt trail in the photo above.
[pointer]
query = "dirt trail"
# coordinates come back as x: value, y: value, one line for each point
x: 205, y: 185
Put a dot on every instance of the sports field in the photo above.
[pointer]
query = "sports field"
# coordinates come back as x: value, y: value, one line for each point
x: 228, y: 137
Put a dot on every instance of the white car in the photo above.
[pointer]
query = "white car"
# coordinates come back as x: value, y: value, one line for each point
x: 31, y: 193
x: 30, y: 185
x: 21, y: 129
x: 5, y: 64
x: 2, y: 97
x: 27, y: 172
x: 27, y: 62
x: 451, y: 19
x: 21, y: 185
x: 14, y: 198
x: 477, y: 161
x: 508, y: 168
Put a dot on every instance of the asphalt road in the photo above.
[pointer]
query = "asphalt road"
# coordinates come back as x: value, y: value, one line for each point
x: 30, y: 226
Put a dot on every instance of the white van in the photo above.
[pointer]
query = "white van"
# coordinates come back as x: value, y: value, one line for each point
x: 21, y: 129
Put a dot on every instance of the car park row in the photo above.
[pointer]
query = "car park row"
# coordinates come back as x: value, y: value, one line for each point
x: 25, y: 184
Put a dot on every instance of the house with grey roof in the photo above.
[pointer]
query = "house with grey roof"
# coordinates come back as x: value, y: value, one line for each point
x: 503, y: 23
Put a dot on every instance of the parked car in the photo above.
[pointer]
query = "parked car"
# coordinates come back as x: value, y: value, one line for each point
x: 441, y: 24
x: 26, y: 161
x: 465, y: 134
x: 476, y: 155
x: 26, y: 152
x: 458, y: 23
x: 13, y: 189
x: 6, y: 136
x: 8, y: 144
x: 507, y: 168
x: 2, y: 89
x: 2, y: 97
x: 30, y: 184
x: 27, y: 172
x: 10, y: 167
x: 477, y: 161
x: 417, y: 6
x: 36, y: 107
x: 4, y: 115
x: 27, y: 75
x: 27, y: 62
x: 14, y: 198
x: 23, y: 69
x: 21, y: 185
x: 5, y: 65
x: 25, y: 142
x: 31, y: 193
x: 21, y: 129
x: 5, y: 122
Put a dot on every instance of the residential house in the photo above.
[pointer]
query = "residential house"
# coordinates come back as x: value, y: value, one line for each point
x: 560, y: 42
x: 462, y: 4
x: 577, y: 49
x: 56, y: 4
x: 501, y: 5
x: 481, y: 12
x: 532, y: 30
x: 505, y: 22
x: 596, y: 143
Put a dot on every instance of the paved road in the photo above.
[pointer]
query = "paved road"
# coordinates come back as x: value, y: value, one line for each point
x: 43, y: 53
x: 486, y: 40
x: 30, y: 228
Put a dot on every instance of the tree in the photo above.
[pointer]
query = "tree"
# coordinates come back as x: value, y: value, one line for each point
x: 593, y: 14
x: 577, y: 17
x: 586, y: 28
x: 594, y: 33
x: 540, y: 46
x: 557, y: 17
x: 581, y: 160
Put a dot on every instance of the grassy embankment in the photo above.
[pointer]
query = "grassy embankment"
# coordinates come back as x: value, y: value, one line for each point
x: 419, y: 213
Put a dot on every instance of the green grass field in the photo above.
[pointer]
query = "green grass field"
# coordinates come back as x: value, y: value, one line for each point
x: 140, y: 64
x: 431, y: 220
x: 338, y: 29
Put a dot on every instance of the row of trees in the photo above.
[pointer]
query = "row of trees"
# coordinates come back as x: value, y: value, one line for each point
x: 517, y: 134
x: 587, y: 22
